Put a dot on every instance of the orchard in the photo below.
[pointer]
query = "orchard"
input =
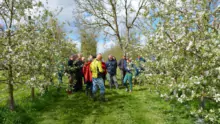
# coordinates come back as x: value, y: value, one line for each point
x: 180, y: 77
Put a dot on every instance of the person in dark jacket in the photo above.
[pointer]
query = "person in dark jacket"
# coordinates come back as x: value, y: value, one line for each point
x: 122, y: 66
x: 78, y: 73
x: 111, y: 66
x: 71, y: 72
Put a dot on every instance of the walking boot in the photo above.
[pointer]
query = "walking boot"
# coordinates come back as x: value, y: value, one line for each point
x: 93, y: 97
x: 87, y: 93
x: 102, y: 98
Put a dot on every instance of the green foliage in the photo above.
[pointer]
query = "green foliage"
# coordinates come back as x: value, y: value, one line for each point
x: 88, y: 43
x: 183, y: 55
x: 32, y: 47
x: 115, y: 51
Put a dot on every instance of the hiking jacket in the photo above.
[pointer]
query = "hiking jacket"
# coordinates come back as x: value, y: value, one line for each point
x: 111, y: 66
x: 96, y: 66
x: 105, y: 70
x: 87, y: 72
x: 71, y: 67
x: 122, y: 64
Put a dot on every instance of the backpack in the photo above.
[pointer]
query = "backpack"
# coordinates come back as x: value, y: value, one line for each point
x: 100, y: 74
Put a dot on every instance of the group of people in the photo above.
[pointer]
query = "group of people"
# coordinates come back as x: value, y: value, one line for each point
x: 94, y: 71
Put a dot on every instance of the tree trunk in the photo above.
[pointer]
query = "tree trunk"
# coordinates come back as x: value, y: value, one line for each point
x: 32, y: 93
x: 202, y: 101
x: 175, y: 83
x: 11, y: 90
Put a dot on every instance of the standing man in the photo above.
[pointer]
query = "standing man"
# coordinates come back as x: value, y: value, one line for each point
x: 122, y: 65
x: 111, y: 65
x: 79, y: 74
x: 71, y: 72
x: 97, y: 80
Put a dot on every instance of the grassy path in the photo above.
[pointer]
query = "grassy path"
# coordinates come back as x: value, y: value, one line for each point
x: 139, y: 107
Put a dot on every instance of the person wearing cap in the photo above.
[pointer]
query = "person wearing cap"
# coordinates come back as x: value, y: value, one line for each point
x: 122, y: 66
x: 97, y: 77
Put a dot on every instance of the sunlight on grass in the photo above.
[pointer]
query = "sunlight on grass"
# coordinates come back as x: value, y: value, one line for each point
x: 139, y: 107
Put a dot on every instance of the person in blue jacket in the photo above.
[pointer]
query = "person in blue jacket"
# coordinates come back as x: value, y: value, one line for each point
x: 111, y: 66
x: 138, y: 67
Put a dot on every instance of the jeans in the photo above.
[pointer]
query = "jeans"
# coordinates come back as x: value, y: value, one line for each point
x: 128, y: 77
x: 113, y: 81
x: 100, y: 83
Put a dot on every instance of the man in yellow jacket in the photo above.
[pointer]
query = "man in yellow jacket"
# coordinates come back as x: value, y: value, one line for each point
x: 97, y: 80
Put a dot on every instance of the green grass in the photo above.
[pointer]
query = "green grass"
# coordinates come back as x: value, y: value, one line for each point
x: 139, y: 107
x: 142, y: 106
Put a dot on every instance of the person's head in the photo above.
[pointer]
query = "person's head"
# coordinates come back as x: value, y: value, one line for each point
x: 99, y: 57
x: 83, y: 59
x: 139, y: 56
x: 110, y: 57
x: 113, y: 58
x: 124, y: 56
x: 129, y: 59
x: 90, y: 58
x: 73, y: 57
x: 79, y: 55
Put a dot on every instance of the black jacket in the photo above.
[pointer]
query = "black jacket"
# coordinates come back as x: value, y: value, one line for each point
x: 111, y: 66
x: 121, y: 64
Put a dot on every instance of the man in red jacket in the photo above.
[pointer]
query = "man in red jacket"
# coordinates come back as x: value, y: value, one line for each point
x: 88, y: 75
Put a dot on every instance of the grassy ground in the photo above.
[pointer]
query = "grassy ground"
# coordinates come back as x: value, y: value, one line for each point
x: 139, y: 107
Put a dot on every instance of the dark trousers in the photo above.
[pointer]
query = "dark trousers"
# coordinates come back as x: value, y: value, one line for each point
x: 123, y: 73
x: 78, y: 86
x: 89, y: 88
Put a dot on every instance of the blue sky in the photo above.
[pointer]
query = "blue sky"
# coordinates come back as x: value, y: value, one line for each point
x: 66, y: 15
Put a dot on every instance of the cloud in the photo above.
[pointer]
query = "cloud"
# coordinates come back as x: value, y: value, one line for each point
x: 100, y: 47
x: 78, y: 44
x: 103, y: 46
x: 66, y: 15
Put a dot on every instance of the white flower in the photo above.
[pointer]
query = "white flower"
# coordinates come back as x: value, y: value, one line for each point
x: 183, y: 96
x: 189, y: 45
x: 180, y: 100
x: 217, y: 97
x: 33, y: 78
x: 211, y: 110
x: 197, y: 82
